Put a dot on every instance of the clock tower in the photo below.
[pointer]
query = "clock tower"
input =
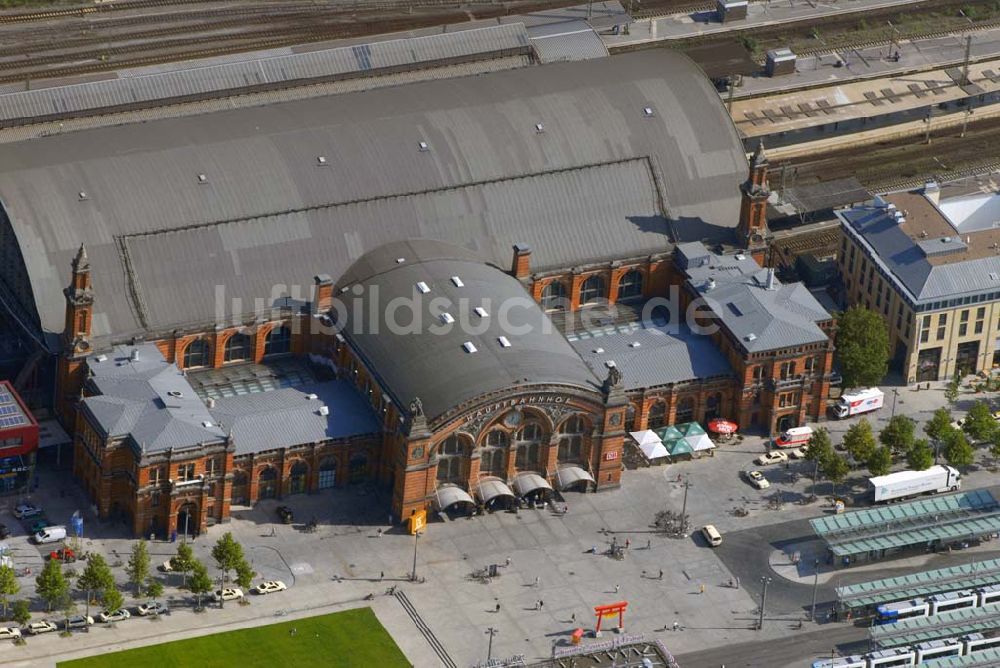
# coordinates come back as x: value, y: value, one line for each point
x: 752, y: 230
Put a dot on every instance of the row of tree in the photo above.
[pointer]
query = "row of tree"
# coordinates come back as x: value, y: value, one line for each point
x: 98, y: 582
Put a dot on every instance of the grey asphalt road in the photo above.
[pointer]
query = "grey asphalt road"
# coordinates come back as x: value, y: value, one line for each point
x: 778, y: 653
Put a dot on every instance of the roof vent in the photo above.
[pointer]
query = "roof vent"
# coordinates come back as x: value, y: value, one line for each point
x: 82, y: 195
x: 206, y: 424
x: 324, y: 410
x: 711, y: 284
x: 447, y: 318
x: 174, y: 393
x: 202, y: 178
x: 634, y: 344
x: 423, y: 287
x: 504, y: 341
x: 770, y: 285
x: 994, y: 276
x: 210, y: 402
x: 134, y: 355
x: 101, y: 358
x: 539, y: 128
x: 750, y: 337
x: 321, y: 160
x: 423, y: 147
x: 312, y: 396
x: 469, y: 347
x: 741, y: 257
x: 457, y: 282
x: 481, y: 312
x: 400, y: 260
x: 598, y: 350
x: 648, y: 112
x: 610, y: 364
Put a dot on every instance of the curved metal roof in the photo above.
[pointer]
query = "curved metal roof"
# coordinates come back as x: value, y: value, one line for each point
x: 448, y: 495
x: 490, y: 488
x: 414, y: 352
x: 598, y: 181
x: 570, y: 475
x: 525, y: 483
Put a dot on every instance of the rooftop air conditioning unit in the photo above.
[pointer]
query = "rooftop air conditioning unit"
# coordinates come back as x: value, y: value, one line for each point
x: 312, y: 396
x: 324, y: 410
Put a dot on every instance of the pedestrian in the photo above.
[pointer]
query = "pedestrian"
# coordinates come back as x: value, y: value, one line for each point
x: 617, y: 587
x: 676, y: 625
x: 379, y: 534
x: 627, y: 543
x: 572, y: 618
x: 294, y: 631
x: 537, y: 606
x: 508, y: 561
x: 381, y: 575
x: 661, y: 574
x: 614, y: 543
x: 541, y: 604
x: 536, y: 580
x: 498, y: 606
x: 648, y: 543
x: 701, y: 589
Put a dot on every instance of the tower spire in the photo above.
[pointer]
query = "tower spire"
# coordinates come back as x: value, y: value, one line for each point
x: 81, y: 262
x: 759, y: 157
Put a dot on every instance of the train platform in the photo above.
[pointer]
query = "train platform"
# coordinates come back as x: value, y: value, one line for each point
x: 682, y: 26
x: 875, y: 61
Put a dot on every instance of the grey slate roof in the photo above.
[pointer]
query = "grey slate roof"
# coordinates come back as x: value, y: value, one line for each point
x: 428, y: 359
x: 147, y: 400
x: 664, y: 354
x: 269, y: 215
x: 288, y: 417
x: 905, y: 261
x: 570, y: 40
x: 759, y: 318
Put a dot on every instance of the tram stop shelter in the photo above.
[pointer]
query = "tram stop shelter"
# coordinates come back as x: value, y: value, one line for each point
x: 910, y: 632
x: 874, y: 533
x: 988, y: 658
x: 864, y: 595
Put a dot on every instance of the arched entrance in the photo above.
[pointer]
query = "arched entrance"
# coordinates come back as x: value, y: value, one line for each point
x: 267, y: 483
x: 713, y: 406
x: 241, y: 490
x: 786, y: 422
x: 298, y: 478
x: 358, y: 467
x: 328, y: 473
x: 188, y: 519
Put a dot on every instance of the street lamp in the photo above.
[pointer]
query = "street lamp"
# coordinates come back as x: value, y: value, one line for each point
x: 812, y: 613
x: 684, y: 505
x: 763, y: 601
x: 416, y: 540
x: 491, y: 631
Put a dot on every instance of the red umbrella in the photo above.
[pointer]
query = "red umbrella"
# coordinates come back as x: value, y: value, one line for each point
x: 720, y: 426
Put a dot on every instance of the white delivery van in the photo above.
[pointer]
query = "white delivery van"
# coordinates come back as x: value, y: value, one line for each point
x: 50, y: 535
x: 862, y: 401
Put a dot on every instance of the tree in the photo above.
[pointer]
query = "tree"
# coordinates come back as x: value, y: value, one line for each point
x: 995, y: 444
x: 898, y: 435
x: 95, y: 577
x: 68, y: 607
x: 227, y: 554
x: 951, y: 389
x: 244, y: 575
x: 20, y: 611
x: 183, y: 561
x: 9, y: 586
x: 836, y: 469
x: 979, y: 422
x: 51, y: 585
x: 200, y: 583
x: 957, y: 450
x: 138, y: 566
x: 938, y: 425
x: 818, y: 451
x: 859, y: 441
x: 112, y: 599
x: 154, y: 588
x: 880, y: 462
x: 921, y: 456
x: 862, y: 347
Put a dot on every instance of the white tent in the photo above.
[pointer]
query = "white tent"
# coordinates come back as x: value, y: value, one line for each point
x: 644, y: 437
x: 700, y: 442
x: 654, y: 450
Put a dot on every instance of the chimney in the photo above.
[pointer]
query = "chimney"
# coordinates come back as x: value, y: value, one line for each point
x: 134, y: 355
x: 323, y: 300
x: 521, y: 266
x: 770, y: 279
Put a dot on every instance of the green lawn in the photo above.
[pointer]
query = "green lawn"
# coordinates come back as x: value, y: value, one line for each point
x: 351, y: 638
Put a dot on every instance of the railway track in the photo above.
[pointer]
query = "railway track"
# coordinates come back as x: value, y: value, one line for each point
x: 910, y: 36
x: 669, y: 10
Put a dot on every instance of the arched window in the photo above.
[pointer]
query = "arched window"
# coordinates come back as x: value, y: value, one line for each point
x: 571, y: 439
x: 493, y: 461
x: 529, y: 442
x: 81, y: 323
x: 196, y: 354
x: 554, y: 296
x: 237, y: 348
x: 496, y: 439
x: 713, y: 406
x: 451, y: 456
x: 630, y: 418
x: 685, y: 410
x: 657, y: 417
x: 278, y: 341
x: 630, y: 285
x: 298, y: 478
x: 592, y: 289
x: 267, y: 483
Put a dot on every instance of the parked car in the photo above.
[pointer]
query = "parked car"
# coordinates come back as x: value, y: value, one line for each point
x: 797, y: 453
x: 9, y: 633
x: 36, y: 628
x: 63, y: 554
x: 152, y: 608
x: 757, y: 479
x: 773, y: 457
x: 26, y: 510
x: 712, y: 535
x: 269, y: 587
x: 167, y: 566
x: 113, y: 616
x: 286, y: 514
x: 958, y: 424
x: 227, y: 594
x: 4, y: 531
x: 79, y: 622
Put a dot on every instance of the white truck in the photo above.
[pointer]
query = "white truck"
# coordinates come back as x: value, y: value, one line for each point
x: 861, y: 401
x: 910, y: 483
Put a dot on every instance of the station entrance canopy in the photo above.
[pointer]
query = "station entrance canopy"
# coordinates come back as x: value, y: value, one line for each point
x: 937, y: 520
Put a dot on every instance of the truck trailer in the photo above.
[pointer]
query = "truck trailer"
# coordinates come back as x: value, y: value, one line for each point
x: 904, y: 484
x: 861, y: 401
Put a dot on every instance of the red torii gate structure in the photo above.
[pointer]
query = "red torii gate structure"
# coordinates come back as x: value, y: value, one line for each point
x: 610, y: 610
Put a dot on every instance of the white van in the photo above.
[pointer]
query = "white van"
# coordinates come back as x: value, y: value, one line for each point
x: 50, y: 535
x: 712, y: 535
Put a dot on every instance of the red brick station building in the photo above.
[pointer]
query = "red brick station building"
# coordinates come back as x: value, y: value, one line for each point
x: 465, y: 290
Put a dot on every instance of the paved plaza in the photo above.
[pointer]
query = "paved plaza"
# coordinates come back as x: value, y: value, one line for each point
x: 347, y: 559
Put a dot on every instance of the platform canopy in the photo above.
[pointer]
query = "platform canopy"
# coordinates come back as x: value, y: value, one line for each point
x: 944, y: 625
x: 912, y: 585
x: 941, y: 519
